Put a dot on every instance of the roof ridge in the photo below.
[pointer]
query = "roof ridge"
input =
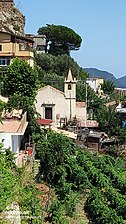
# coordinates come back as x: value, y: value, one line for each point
x: 51, y: 88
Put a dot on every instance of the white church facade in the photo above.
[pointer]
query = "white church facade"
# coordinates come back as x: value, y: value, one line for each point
x: 59, y: 106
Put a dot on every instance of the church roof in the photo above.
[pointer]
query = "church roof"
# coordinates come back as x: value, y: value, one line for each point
x: 48, y: 86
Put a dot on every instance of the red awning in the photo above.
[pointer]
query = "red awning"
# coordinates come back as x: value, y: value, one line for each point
x: 44, y: 122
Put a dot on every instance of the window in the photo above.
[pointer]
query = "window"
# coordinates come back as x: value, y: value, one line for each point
x: 0, y: 47
x: 4, y: 61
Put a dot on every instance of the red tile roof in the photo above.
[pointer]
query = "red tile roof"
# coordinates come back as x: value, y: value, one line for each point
x: 44, y: 122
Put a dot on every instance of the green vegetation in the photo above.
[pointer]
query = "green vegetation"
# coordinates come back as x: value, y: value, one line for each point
x: 20, y: 83
x: 65, y: 167
x: 108, y: 86
x: 72, y: 171
x: 20, y: 78
x: 2, y: 106
x: 108, y: 120
x: 56, y: 68
x: 61, y: 39
x: 17, y: 186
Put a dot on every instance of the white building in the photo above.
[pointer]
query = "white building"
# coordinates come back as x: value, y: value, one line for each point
x: 12, y: 128
x: 40, y: 44
x: 59, y: 106
x: 12, y: 132
x: 121, y: 91
x: 95, y: 84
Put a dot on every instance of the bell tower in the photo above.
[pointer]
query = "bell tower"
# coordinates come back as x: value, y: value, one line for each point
x: 70, y: 86
x: 70, y: 95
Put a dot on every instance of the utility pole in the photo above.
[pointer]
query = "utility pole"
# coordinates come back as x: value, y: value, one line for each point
x: 86, y: 103
x: 70, y: 108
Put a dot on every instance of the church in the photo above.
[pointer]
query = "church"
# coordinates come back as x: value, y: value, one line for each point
x: 60, y: 107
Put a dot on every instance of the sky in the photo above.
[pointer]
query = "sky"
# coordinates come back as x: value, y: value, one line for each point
x: 100, y: 23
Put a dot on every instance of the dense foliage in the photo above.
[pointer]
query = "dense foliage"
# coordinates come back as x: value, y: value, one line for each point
x: 20, y: 79
x: 52, y: 70
x: 20, y: 83
x: 2, y: 106
x: 108, y: 120
x: 71, y: 170
x: 59, y: 65
x: 17, y: 186
x: 108, y: 86
x: 64, y: 166
x: 61, y: 39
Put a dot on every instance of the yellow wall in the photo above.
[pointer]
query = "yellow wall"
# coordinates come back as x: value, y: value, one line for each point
x: 9, y: 47
x: 27, y: 56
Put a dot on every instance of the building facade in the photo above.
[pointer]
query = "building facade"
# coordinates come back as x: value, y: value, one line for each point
x: 40, y: 44
x: 120, y: 91
x: 13, y: 42
x: 95, y: 84
x: 12, y: 130
x: 12, y: 46
x: 59, y: 106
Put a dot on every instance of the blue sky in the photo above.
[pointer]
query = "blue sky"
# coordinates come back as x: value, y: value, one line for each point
x: 100, y: 23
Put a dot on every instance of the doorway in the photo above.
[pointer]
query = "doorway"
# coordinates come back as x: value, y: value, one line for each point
x: 48, y: 113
